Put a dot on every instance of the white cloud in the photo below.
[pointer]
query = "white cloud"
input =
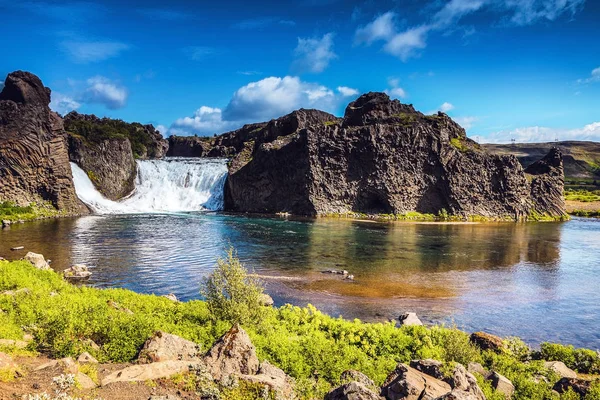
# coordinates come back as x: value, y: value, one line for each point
x: 200, y: 53
x: 314, y: 54
x: 381, y: 28
x: 102, y: 90
x: 92, y: 51
x: 347, y: 91
x: 532, y: 134
x: 465, y: 122
x: 406, y: 44
x: 409, y: 42
x: 445, y: 107
x: 594, y: 77
x: 527, y: 12
x: 63, y: 104
x: 257, y: 101
x: 395, y: 90
x: 162, y: 129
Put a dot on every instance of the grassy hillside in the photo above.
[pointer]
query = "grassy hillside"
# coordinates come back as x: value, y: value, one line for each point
x: 582, y: 159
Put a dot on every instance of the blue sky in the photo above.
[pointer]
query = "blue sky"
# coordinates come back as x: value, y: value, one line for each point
x: 523, y: 69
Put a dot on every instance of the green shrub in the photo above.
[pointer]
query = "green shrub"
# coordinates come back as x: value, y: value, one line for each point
x: 581, y: 360
x: 231, y: 293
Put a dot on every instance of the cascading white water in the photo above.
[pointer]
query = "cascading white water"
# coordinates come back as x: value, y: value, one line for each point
x: 169, y: 185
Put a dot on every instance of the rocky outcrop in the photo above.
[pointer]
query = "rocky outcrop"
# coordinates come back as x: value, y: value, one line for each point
x: 34, y: 162
x: 406, y: 383
x: 189, y: 146
x: 487, y: 341
x: 547, y: 183
x: 106, y: 150
x: 164, y: 346
x: 352, y: 391
x: 109, y: 164
x: 382, y: 157
x: 232, y: 354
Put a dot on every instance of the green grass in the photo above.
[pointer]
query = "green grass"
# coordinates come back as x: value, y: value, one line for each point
x: 582, y: 195
x: 304, y: 342
x: 459, y: 144
x: 11, y: 212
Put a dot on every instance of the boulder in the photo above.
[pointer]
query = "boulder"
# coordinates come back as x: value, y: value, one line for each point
x: 487, y: 341
x: 579, y: 386
x: 501, y: 384
x: 34, y: 161
x: 353, y: 391
x: 144, y: 372
x: 84, y: 381
x: 477, y: 368
x: 464, y: 384
x: 357, y: 376
x: 171, y: 297
x: 37, y: 260
x: 560, y: 369
x: 86, y: 357
x: 265, y: 300
x: 77, y: 272
x: 164, y: 346
x: 6, y: 362
x: 409, y: 318
x: 406, y: 383
x: 429, y: 367
x: 232, y: 354
x: 19, y: 344
x: 274, y: 379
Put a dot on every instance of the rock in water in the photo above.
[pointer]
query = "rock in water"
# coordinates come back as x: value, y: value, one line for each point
x: 34, y: 162
x: 37, y: 260
x: 382, y: 157
x: 77, y: 272
x: 164, y: 346
x: 410, y: 318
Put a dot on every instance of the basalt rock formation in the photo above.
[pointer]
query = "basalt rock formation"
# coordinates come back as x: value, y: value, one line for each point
x: 106, y: 149
x: 382, y: 157
x: 34, y: 162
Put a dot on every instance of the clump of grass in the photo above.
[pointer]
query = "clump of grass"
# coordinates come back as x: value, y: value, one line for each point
x: 582, y: 195
x: 12, y: 212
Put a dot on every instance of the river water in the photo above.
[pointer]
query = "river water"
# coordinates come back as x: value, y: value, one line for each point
x: 539, y: 281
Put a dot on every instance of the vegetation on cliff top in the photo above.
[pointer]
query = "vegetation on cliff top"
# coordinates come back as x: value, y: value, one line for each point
x: 308, y: 345
x: 103, y: 129
x: 12, y: 212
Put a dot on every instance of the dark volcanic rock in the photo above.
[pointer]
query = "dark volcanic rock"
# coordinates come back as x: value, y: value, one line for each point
x: 383, y: 157
x: 34, y: 162
x: 109, y: 164
x: 189, y: 146
x: 547, y: 185
x: 106, y: 149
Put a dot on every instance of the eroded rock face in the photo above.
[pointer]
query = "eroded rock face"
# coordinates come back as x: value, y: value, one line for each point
x: 34, y: 162
x: 382, y: 157
x: 547, y: 185
x: 109, y: 164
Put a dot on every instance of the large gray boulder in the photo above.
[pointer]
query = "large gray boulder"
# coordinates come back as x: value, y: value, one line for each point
x: 164, y: 346
x: 502, y: 384
x: 406, y: 383
x: 353, y: 391
x: 560, y: 369
x: 232, y: 354
x: 37, y: 260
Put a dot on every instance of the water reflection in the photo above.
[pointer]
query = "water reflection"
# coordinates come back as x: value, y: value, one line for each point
x: 518, y: 279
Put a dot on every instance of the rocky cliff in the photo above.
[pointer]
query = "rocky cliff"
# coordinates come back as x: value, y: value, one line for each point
x: 382, y: 157
x: 106, y: 149
x: 34, y: 162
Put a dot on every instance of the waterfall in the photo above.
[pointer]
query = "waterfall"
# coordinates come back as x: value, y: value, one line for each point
x: 169, y: 185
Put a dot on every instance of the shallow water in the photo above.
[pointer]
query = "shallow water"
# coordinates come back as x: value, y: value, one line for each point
x: 539, y: 281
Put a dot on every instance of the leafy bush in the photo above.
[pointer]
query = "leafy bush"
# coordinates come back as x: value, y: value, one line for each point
x: 231, y: 293
x: 581, y: 360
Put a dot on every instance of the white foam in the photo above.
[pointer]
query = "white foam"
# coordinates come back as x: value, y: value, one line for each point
x: 168, y: 185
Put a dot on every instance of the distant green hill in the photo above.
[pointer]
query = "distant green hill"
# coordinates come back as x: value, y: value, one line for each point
x: 581, y: 159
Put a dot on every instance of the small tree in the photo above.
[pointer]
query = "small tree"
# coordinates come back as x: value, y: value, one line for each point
x: 231, y: 293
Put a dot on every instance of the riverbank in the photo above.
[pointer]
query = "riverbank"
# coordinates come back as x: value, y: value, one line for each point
x: 58, y: 320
